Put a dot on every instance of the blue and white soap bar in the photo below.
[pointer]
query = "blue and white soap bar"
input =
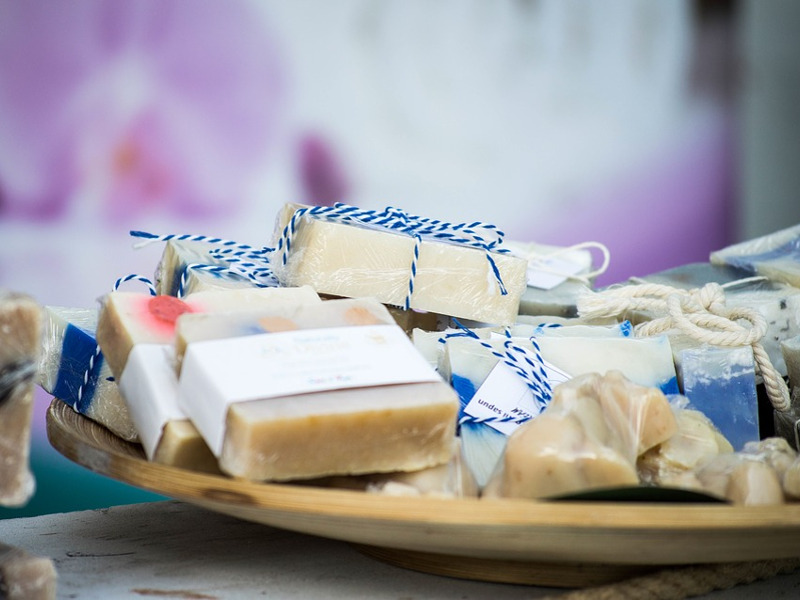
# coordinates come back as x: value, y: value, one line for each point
x: 776, y: 255
x: 73, y: 369
x: 721, y: 383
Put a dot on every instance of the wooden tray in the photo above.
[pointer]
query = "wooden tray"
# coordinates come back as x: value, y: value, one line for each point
x: 569, y: 544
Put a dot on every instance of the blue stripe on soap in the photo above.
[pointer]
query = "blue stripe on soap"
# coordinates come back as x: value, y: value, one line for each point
x: 77, y: 351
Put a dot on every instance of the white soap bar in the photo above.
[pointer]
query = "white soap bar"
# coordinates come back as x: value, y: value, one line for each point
x: 354, y: 261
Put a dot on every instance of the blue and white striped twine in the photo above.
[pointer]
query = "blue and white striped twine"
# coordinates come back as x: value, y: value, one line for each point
x: 527, y: 364
x: 479, y: 235
x: 241, y: 260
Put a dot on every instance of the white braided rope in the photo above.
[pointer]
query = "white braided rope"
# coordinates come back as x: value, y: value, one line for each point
x: 699, y: 313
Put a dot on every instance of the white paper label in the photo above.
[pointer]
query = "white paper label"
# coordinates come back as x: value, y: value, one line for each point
x: 217, y: 373
x: 505, y: 395
x: 547, y: 273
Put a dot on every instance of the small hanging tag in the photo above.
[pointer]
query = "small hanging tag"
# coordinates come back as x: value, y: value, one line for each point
x: 504, y: 401
x: 547, y: 273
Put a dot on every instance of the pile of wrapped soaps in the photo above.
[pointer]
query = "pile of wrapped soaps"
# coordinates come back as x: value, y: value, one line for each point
x: 398, y: 354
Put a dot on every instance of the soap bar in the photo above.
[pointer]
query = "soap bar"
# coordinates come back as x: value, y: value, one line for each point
x: 721, y: 383
x: 353, y: 261
x: 20, y: 338
x: 24, y: 576
x: 776, y: 255
x: 73, y: 369
x: 187, y: 267
x: 277, y: 317
x: 129, y: 318
x: 283, y: 406
x: 645, y: 361
x: 589, y: 437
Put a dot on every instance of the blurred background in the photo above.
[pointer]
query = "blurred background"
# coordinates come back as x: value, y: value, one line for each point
x: 663, y: 130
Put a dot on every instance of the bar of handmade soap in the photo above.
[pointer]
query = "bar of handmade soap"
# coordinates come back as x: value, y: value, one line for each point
x: 73, y: 369
x: 307, y: 403
x: 353, y: 261
x: 721, y: 383
x: 776, y: 255
x: 187, y: 267
x: 20, y: 338
x: 24, y: 576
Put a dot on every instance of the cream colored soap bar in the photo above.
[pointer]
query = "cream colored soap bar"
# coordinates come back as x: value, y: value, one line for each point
x: 339, y: 391
x: 354, y: 261
x: 20, y: 335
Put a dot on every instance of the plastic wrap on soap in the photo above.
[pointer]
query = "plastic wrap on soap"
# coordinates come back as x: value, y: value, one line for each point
x: 776, y: 255
x: 20, y: 338
x: 356, y: 261
x: 73, y: 369
x: 589, y: 437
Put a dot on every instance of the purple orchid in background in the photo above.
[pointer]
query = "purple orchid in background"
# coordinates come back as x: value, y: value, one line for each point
x: 320, y: 172
x: 131, y: 107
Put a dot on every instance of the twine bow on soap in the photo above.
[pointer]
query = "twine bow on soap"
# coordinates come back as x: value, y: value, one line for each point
x: 235, y: 259
x: 700, y: 314
x: 479, y: 235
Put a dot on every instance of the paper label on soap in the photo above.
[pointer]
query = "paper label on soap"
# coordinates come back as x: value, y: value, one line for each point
x: 273, y: 365
x: 506, y: 400
x: 547, y: 273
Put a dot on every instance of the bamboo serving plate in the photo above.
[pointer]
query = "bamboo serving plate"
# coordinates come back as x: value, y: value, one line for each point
x: 565, y: 544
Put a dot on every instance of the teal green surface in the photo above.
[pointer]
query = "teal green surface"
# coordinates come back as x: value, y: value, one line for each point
x: 63, y: 486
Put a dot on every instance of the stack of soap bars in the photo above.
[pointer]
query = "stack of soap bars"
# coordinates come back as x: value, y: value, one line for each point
x: 399, y: 354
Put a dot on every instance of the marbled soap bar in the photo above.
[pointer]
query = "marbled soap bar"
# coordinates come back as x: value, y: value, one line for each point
x: 776, y: 255
x: 129, y: 318
x: 73, y: 369
x: 721, y: 383
x: 20, y: 339
x: 325, y: 398
x: 353, y: 261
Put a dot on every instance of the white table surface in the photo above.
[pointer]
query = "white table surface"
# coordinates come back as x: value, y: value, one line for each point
x: 176, y: 550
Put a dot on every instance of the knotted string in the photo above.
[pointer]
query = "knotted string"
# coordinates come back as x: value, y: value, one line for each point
x: 241, y: 260
x: 700, y: 314
x: 525, y: 363
x: 479, y: 235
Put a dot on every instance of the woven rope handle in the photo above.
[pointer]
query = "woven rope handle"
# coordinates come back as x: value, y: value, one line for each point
x: 700, y: 314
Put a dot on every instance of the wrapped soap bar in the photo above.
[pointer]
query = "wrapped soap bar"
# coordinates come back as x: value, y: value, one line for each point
x: 129, y: 318
x: 73, y: 369
x: 344, y: 253
x: 190, y: 266
x: 589, y: 437
x: 20, y: 339
x: 311, y: 402
x: 721, y: 383
x: 776, y: 255
x: 24, y: 576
